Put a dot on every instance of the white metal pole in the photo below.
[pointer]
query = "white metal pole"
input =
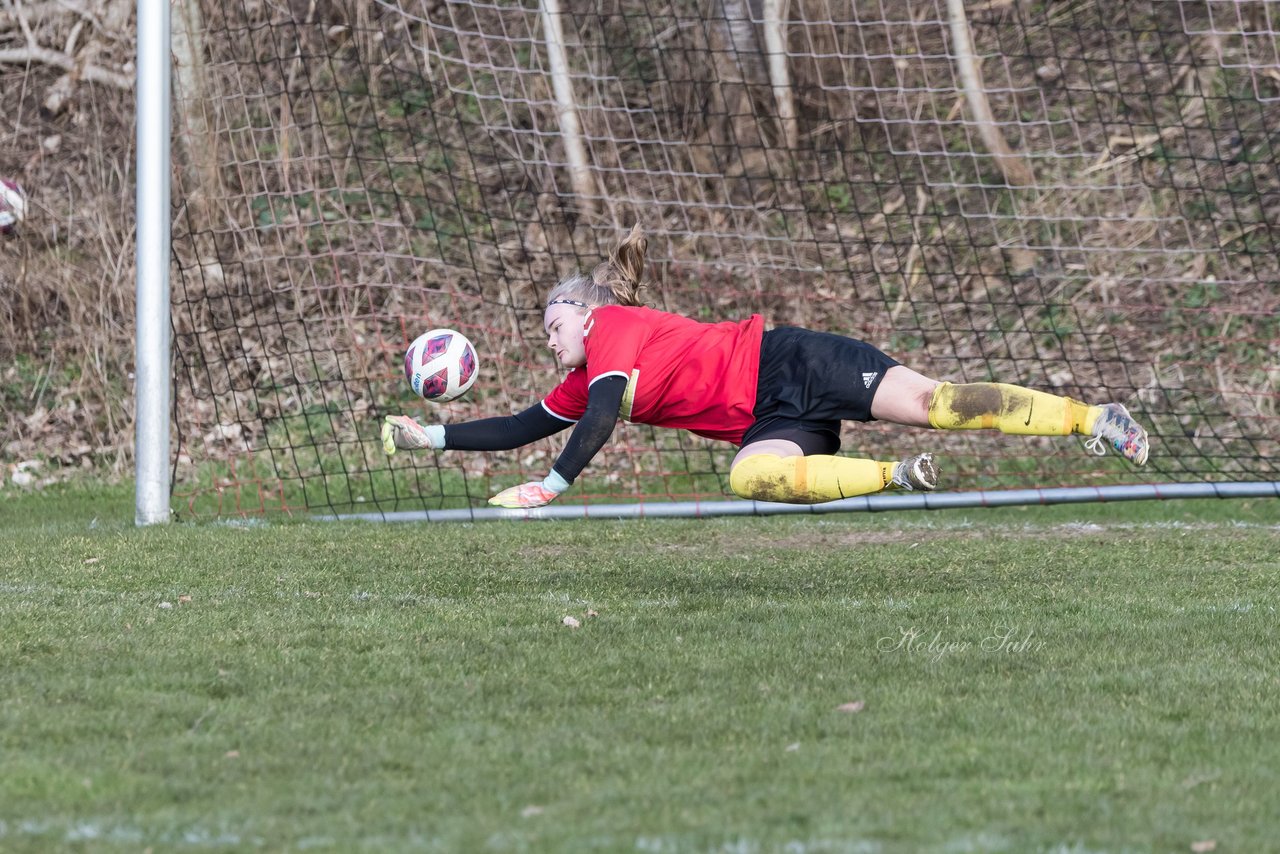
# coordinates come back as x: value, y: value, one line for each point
x: 877, y: 503
x: 152, y: 376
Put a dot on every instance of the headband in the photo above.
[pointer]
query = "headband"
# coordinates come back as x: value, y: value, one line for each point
x: 566, y: 301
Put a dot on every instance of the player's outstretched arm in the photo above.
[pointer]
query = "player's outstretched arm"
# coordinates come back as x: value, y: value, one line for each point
x: 400, y: 432
x: 588, y: 437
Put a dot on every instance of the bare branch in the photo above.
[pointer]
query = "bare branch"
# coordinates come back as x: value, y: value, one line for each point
x: 72, y: 37
x: 44, y: 56
x: 580, y: 173
x: 22, y: 21
x: 775, y: 39
x: 1016, y: 171
x: 79, y: 9
x: 38, y: 12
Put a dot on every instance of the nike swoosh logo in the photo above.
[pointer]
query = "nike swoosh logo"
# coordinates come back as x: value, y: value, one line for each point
x: 1030, y: 408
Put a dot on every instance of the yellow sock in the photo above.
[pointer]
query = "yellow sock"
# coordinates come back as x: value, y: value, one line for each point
x: 1009, y: 409
x: 807, y: 480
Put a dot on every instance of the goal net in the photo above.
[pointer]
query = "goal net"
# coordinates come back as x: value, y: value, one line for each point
x: 1079, y: 197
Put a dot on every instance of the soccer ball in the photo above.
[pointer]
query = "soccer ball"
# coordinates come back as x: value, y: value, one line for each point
x: 441, y: 365
x: 13, y: 206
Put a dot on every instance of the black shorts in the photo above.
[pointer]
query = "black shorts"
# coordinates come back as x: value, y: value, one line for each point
x: 809, y: 383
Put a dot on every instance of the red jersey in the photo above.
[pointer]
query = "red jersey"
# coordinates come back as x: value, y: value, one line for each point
x: 699, y: 377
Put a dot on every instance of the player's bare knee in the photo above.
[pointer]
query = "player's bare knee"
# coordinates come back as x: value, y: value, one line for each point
x: 924, y: 399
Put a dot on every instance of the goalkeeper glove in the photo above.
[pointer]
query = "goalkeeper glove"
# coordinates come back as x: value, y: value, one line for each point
x: 536, y: 493
x: 403, y: 433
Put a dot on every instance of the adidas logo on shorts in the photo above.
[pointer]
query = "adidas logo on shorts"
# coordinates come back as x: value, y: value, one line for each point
x: 869, y: 378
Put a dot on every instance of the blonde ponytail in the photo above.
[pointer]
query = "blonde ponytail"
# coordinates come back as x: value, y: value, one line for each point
x: 624, y: 271
x: 615, y: 282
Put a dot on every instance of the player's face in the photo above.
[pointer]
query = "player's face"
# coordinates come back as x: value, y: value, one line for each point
x: 564, y: 334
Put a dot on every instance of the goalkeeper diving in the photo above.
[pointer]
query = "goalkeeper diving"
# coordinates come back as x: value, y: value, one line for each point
x: 779, y: 395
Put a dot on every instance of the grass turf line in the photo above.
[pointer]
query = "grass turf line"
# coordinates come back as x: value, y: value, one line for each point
x: 411, y: 687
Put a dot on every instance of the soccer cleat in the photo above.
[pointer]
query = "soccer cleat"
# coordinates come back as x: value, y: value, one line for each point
x: 403, y: 433
x: 917, y: 473
x: 1116, y: 427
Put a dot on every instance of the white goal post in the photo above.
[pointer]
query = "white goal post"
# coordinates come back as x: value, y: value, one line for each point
x: 153, y: 372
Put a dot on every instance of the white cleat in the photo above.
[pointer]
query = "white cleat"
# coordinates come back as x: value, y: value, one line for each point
x: 1116, y: 428
x: 917, y: 473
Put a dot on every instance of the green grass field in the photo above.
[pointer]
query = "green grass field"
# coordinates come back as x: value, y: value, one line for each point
x: 1067, y: 679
